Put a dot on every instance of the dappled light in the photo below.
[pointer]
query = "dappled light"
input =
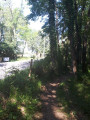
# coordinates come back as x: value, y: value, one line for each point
x: 73, y: 98
x: 44, y: 60
x: 18, y: 98
x: 49, y: 103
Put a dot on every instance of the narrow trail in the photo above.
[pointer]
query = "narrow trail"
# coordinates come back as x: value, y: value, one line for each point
x: 50, y: 109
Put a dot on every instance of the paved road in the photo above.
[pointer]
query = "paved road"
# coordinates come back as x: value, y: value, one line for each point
x: 6, y: 68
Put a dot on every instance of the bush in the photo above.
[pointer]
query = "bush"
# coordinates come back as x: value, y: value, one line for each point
x: 42, y: 68
x: 7, y: 51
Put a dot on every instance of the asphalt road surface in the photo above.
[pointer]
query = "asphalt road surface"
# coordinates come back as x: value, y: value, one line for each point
x: 7, y: 68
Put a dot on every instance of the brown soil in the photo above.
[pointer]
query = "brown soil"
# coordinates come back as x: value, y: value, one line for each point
x: 50, y: 109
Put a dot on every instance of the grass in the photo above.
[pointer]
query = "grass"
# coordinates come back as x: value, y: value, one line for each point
x: 21, y: 59
x: 19, y: 96
x: 74, y: 96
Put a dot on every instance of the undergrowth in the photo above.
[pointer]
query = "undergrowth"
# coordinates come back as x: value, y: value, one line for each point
x: 19, y: 96
x: 42, y: 69
x: 74, y: 96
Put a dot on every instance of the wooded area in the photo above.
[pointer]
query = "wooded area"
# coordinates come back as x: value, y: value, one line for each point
x: 69, y: 22
x: 56, y: 85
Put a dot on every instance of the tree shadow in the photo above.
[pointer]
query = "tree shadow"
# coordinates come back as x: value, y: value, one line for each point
x: 18, y: 98
x: 50, y: 109
x: 74, y: 101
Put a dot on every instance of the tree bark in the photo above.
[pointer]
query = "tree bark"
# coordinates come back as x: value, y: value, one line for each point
x: 52, y: 34
x: 57, y: 22
x: 84, y: 64
x: 74, y: 61
x: 70, y: 12
x: 86, y: 37
x: 78, y: 35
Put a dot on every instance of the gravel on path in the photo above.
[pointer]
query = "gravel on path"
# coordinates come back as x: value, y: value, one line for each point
x: 6, y: 68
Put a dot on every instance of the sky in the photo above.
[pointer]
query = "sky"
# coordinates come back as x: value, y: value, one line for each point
x: 33, y: 25
x: 36, y: 25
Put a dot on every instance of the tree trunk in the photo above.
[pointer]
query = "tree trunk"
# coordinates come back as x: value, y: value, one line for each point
x: 66, y: 57
x: 70, y: 12
x: 86, y: 37
x: 52, y: 34
x: 84, y: 64
x: 74, y: 61
x: 78, y: 35
x: 57, y: 22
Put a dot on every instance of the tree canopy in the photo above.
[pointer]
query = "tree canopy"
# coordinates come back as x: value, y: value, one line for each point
x: 66, y: 19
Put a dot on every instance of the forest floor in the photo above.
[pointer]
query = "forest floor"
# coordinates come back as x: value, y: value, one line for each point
x: 51, y: 110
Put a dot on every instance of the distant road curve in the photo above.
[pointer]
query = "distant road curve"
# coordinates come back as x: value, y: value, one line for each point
x: 6, y: 68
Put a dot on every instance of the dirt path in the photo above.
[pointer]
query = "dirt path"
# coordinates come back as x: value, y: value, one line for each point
x: 50, y: 109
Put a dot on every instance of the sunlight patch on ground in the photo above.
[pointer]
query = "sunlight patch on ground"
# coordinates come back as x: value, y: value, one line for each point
x: 58, y: 114
x: 38, y: 115
x: 13, y: 100
x: 23, y: 110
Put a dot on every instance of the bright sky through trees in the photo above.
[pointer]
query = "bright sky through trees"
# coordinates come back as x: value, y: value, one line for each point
x: 17, y: 4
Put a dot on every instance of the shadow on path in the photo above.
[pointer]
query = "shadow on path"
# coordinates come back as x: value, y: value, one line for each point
x: 50, y: 109
x: 2, y: 64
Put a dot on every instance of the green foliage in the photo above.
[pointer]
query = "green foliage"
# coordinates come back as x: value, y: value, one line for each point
x: 17, y: 32
x: 42, y: 8
x: 74, y: 21
x: 14, y: 25
x: 36, y: 43
x: 19, y: 96
x: 43, y: 69
x: 60, y: 61
x: 74, y: 95
x: 39, y: 8
x: 7, y: 51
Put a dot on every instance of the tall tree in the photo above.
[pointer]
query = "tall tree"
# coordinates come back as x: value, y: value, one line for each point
x: 69, y: 6
x: 42, y: 8
x: 75, y: 20
x: 52, y: 32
